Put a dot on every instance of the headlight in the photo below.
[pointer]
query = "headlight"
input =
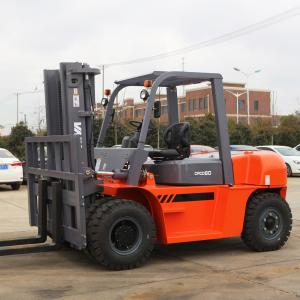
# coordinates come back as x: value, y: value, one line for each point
x: 297, y: 162
x: 144, y: 95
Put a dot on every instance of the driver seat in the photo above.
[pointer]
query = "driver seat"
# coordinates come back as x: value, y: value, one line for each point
x: 131, y: 141
x: 177, y: 138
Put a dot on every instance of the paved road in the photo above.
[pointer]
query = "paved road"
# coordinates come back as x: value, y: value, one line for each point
x: 223, y: 269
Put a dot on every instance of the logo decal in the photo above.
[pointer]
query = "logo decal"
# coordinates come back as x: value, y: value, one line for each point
x: 77, y: 128
x: 202, y: 173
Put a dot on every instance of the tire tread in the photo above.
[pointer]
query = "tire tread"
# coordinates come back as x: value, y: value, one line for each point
x: 95, y: 221
x: 249, y: 222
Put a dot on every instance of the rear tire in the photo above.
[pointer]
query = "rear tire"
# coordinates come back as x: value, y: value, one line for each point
x: 120, y: 234
x: 268, y: 222
x: 15, y: 186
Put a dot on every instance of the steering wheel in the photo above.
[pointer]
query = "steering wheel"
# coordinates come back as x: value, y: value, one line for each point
x: 136, y: 124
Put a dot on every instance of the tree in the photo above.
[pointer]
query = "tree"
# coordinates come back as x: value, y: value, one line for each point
x: 4, y: 142
x: 115, y: 132
x: 288, y: 132
x: 16, y: 140
x: 240, y: 135
x: 152, y: 136
x: 203, y: 130
x: 262, y: 133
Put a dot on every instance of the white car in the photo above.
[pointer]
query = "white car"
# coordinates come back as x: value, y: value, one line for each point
x: 297, y: 147
x: 290, y: 155
x: 11, y: 170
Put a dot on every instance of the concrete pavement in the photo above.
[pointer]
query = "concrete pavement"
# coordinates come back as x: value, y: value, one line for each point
x: 223, y: 269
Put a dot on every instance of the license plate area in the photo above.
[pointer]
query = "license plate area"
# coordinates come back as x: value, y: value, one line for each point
x: 3, y: 166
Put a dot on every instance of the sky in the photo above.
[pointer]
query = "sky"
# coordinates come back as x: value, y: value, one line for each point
x: 37, y: 35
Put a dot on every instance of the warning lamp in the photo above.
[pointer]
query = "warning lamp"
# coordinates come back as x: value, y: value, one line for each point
x: 147, y: 83
x: 107, y: 92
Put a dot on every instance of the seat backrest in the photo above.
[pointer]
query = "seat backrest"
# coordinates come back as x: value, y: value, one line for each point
x: 131, y: 141
x: 177, y: 136
x: 125, y: 141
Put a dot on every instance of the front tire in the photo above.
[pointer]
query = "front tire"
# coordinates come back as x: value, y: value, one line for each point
x: 121, y: 234
x: 15, y: 186
x: 268, y: 222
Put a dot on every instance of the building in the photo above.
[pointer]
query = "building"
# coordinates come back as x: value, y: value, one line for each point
x: 198, y: 101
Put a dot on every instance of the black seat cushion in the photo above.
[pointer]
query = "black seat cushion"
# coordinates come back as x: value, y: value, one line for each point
x: 177, y: 138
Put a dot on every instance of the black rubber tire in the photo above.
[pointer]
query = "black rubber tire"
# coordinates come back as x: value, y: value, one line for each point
x: 252, y: 233
x: 91, y: 210
x: 99, y: 227
x: 289, y: 170
x: 15, y: 186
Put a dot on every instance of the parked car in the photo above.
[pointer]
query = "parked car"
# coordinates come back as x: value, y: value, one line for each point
x: 11, y: 170
x: 237, y: 148
x: 242, y: 148
x: 201, y: 149
x: 297, y: 147
x: 290, y: 155
x: 146, y: 147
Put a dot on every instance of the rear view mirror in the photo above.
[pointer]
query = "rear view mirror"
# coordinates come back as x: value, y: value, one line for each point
x: 157, y: 109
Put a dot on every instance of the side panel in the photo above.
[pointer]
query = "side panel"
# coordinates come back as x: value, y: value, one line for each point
x: 259, y: 168
x: 188, y: 171
x: 185, y: 214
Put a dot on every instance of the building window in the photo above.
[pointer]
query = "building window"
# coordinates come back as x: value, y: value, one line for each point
x: 194, y: 104
x: 137, y: 112
x: 182, y: 107
x: 200, y: 103
x: 256, y: 105
x: 241, y: 105
x: 191, y: 105
x: 205, y: 102
x: 164, y: 110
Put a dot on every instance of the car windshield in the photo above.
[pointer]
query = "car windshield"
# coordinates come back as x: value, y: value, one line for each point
x: 5, y: 154
x: 287, y: 151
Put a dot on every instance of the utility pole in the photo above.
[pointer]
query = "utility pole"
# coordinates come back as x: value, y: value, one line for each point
x: 237, y: 95
x: 103, y: 81
x: 17, y: 108
x: 17, y: 94
x: 247, y: 75
x: 182, y: 65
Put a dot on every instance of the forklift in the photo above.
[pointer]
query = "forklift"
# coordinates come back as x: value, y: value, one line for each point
x: 115, y: 204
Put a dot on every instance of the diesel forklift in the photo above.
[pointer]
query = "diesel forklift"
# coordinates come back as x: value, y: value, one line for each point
x: 117, y: 203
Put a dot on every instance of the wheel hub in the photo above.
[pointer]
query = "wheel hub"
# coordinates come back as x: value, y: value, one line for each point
x: 125, y: 236
x: 270, y: 223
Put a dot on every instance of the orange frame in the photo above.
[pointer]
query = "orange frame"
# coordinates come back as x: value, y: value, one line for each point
x: 219, y: 214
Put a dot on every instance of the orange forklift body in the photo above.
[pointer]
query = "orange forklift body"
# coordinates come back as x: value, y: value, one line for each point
x: 194, y: 213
